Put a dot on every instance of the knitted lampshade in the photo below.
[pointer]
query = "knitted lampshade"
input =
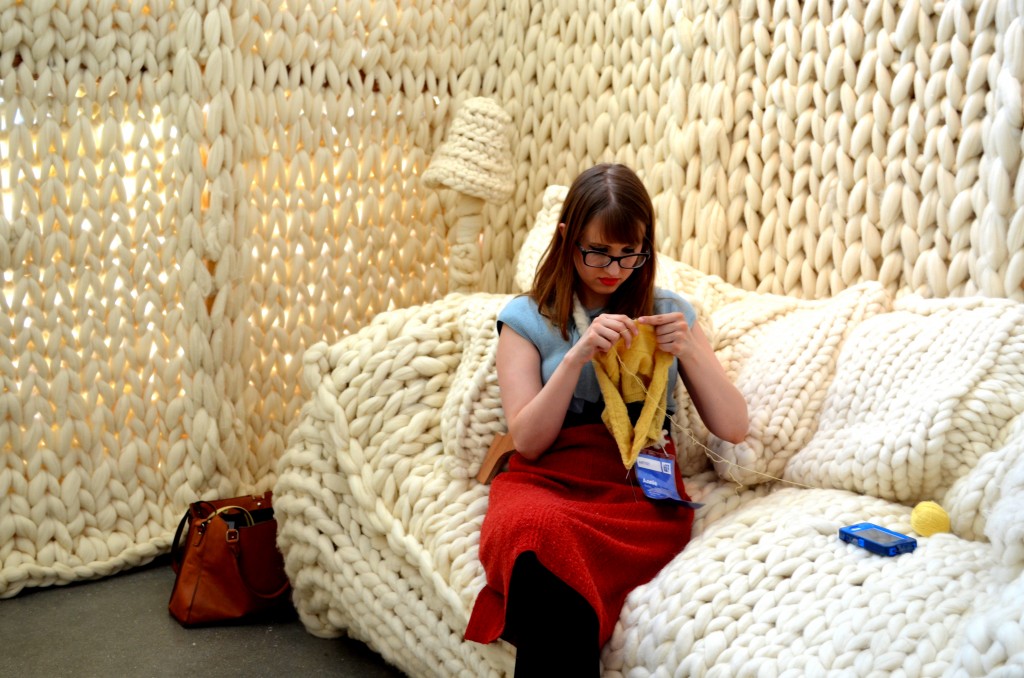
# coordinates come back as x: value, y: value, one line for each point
x: 476, y: 157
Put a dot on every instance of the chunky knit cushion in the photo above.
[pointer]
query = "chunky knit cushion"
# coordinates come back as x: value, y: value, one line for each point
x: 782, y: 353
x: 919, y: 396
x: 539, y: 236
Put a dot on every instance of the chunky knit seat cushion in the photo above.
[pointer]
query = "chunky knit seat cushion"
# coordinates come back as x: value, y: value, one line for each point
x: 861, y: 405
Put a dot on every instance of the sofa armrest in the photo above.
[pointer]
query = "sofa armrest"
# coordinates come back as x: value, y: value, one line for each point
x: 379, y: 538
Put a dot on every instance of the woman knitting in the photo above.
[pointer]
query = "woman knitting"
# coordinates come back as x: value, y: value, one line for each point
x: 568, y: 531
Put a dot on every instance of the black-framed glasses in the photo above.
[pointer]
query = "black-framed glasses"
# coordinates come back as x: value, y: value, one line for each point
x: 598, y: 259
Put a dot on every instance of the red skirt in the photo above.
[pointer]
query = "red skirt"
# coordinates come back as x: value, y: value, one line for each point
x: 586, y: 519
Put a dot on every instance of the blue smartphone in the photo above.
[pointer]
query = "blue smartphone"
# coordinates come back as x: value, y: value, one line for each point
x: 877, y: 539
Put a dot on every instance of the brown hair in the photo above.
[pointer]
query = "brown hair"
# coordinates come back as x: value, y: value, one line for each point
x: 615, y: 196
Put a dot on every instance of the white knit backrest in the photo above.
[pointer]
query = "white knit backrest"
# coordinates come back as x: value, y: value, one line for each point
x: 193, y: 192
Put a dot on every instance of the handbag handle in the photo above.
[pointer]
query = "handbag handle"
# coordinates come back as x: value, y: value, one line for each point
x: 249, y: 522
x: 261, y: 594
x: 176, y: 552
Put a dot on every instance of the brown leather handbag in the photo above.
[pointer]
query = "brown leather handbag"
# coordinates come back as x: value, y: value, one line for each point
x: 228, y: 567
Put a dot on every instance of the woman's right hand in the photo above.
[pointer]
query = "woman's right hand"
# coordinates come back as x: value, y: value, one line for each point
x: 535, y: 411
x: 604, y: 332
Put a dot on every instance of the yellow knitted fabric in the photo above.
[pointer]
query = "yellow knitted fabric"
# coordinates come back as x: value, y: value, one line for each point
x: 629, y: 375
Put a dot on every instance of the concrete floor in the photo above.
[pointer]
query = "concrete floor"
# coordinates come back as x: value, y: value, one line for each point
x: 120, y: 627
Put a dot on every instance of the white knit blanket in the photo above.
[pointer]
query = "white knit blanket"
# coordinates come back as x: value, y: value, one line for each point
x: 860, y: 406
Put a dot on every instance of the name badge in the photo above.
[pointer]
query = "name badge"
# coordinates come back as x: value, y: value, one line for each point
x: 656, y: 472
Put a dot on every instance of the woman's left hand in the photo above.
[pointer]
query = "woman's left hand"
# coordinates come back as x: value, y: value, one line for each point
x: 673, y: 333
x: 720, y: 404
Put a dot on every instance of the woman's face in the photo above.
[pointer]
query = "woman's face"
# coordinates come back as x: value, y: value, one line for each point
x: 596, y: 285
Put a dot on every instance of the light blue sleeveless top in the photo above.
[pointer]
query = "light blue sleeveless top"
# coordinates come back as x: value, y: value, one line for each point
x: 523, y: 316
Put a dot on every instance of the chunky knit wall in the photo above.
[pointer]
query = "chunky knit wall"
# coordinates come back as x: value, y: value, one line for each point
x: 194, y: 192
x: 792, y: 147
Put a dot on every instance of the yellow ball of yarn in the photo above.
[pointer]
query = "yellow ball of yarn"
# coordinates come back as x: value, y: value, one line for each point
x: 928, y: 518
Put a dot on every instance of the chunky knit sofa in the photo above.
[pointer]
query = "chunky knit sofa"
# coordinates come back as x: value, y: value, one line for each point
x: 861, y: 406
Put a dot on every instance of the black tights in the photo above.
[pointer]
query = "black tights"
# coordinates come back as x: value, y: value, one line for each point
x: 555, y: 628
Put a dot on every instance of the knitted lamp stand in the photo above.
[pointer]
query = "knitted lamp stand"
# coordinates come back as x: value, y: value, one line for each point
x: 475, y: 160
x: 464, y: 238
